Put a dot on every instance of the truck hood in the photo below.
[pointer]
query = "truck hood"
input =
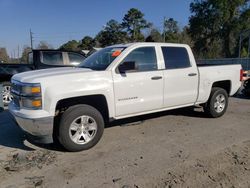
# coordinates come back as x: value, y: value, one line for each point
x: 36, y: 76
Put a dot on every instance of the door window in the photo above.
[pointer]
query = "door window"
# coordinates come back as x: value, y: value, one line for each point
x: 144, y: 59
x: 175, y: 57
x: 75, y: 59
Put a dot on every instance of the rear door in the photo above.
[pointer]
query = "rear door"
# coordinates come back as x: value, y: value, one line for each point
x: 180, y: 77
x: 139, y: 90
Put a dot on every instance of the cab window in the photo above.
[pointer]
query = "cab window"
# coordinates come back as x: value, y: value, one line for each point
x: 175, y: 57
x: 144, y: 59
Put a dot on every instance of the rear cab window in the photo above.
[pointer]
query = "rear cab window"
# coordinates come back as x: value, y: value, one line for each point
x: 176, y: 57
x: 51, y: 58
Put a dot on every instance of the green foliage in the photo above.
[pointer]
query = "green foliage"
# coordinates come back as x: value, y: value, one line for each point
x: 87, y: 43
x: 70, y: 45
x: 244, y: 52
x: 154, y: 36
x: 3, y: 55
x: 44, y: 45
x: 185, y: 38
x: 217, y: 23
x: 112, y: 34
x: 171, y: 31
x: 171, y: 26
x: 134, y: 23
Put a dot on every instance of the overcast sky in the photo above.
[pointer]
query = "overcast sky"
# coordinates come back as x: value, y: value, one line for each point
x: 57, y: 21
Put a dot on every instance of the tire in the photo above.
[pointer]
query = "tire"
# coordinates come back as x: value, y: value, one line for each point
x: 7, y: 97
x: 217, y: 103
x: 246, y: 86
x: 81, y: 127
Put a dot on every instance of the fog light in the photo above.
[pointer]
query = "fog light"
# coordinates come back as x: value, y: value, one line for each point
x: 31, y: 103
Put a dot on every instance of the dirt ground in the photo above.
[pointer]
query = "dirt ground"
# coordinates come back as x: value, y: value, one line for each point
x: 180, y: 148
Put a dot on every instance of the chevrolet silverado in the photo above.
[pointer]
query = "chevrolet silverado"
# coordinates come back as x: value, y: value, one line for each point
x: 73, y: 105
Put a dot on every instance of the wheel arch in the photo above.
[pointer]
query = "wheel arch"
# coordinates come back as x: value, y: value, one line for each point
x: 97, y: 101
x: 224, y: 84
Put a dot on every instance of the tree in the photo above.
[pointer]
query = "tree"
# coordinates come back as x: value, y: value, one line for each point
x: 44, y: 45
x: 171, y: 30
x: 112, y: 34
x: 171, y: 26
x: 134, y: 23
x: 3, y: 55
x: 154, y: 36
x: 185, y: 38
x: 87, y: 43
x: 217, y: 23
x: 26, y: 51
x: 70, y: 45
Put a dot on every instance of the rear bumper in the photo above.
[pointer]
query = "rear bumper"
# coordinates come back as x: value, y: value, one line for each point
x: 41, y: 129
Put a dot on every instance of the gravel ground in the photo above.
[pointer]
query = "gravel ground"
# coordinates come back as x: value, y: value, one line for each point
x: 180, y: 148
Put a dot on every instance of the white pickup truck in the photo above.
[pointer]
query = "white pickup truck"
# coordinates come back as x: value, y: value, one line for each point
x: 73, y: 105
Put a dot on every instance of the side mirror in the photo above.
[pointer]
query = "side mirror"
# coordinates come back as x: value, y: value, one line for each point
x: 126, y: 66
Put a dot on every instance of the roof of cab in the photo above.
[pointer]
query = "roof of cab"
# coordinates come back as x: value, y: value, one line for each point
x: 146, y: 43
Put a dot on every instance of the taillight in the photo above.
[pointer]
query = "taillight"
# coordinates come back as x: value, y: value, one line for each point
x: 241, y: 75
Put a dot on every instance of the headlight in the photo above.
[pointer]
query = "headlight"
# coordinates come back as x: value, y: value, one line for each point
x: 28, y: 95
x: 31, y: 96
x: 30, y: 90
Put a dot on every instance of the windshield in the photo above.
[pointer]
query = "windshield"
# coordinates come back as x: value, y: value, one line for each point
x: 101, y: 59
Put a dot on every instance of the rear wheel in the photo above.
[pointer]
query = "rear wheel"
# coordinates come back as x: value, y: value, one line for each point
x: 6, y: 93
x: 81, y: 128
x: 217, y: 103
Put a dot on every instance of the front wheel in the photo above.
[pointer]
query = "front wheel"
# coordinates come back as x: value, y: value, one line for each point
x: 217, y: 103
x: 81, y: 128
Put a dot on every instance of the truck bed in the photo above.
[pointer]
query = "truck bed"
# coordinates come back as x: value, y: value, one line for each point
x: 215, y: 73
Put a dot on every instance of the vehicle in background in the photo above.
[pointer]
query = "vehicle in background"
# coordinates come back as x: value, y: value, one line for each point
x: 246, y: 75
x: 37, y: 59
x: 90, y: 52
x: 72, y: 106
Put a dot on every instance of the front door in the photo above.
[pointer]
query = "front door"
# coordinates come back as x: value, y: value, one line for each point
x: 141, y: 89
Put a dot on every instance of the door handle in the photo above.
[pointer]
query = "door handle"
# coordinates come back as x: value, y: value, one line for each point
x: 156, y: 78
x: 192, y: 74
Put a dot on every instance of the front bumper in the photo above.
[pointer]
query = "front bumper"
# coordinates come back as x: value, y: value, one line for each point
x: 41, y: 128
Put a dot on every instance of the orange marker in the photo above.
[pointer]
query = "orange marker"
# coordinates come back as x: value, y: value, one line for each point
x: 116, y: 53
